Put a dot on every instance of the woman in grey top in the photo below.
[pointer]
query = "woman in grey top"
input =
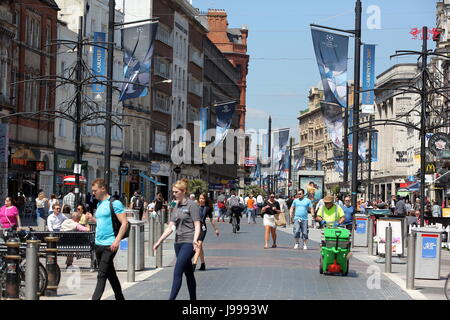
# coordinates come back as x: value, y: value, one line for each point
x: 185, y: 218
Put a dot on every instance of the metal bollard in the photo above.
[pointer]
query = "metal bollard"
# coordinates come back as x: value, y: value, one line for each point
x: 411, y: 261
x: 159, y: 231
x: 131, y: 261
x: 32, y: 270
x: 370, y: 236
x: 12, y: 259
x: 388, y: 250
x: 51, y: 264
x: 151, y: 235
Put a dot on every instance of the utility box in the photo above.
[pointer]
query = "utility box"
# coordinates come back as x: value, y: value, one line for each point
x: 428, y: 253
x: 360, y: 230
x: 121, y: 258
x: 132, y: 214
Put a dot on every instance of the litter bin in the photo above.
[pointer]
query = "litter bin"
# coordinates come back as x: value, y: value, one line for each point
x: 428, y: 253
x: 121, y: 258
x: 360, y: 230
x: 132, y: 214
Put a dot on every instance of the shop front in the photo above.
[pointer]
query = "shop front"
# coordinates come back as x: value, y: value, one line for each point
x: 23, y: 171
x: 64, y: 164
x: 161, y: 173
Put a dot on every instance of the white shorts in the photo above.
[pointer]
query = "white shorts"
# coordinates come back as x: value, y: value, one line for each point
x: 269, y: 220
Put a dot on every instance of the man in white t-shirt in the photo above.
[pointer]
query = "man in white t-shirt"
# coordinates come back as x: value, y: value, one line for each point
x: 55, y: 220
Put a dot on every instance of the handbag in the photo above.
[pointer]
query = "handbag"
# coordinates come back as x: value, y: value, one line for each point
x: 280, y: 219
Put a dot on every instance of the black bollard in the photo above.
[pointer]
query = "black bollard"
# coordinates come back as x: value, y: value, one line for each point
x: 12, y: 259
x: 51, y: 261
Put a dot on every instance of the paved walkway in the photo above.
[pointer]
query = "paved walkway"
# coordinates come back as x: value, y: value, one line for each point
x: 238, y: 268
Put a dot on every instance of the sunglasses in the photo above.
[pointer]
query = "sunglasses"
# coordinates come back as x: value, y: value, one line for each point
x: 57, y: 209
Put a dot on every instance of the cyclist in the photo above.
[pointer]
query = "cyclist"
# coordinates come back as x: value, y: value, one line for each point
x: 330, y: 213
x: 234, y: 209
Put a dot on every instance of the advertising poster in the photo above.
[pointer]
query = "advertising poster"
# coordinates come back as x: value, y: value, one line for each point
x: 397, y: 245
x: 313, y: 186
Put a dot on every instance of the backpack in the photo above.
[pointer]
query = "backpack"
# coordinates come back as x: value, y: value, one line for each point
x: 234, y: 202
x: 115, y: 221
x: 220, y: 204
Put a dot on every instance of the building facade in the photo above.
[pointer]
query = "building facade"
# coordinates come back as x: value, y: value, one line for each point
x: 92, y: 132
x: 31, y: 137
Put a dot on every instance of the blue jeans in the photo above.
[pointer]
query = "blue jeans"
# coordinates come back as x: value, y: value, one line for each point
x: 222, y: 213
x: 300, y: 228
x: 184, y: 252
x: 251, y: 214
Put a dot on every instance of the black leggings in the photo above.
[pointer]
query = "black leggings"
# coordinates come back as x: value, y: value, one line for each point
x: 184, y: 252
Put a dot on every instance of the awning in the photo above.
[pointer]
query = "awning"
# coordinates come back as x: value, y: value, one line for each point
x: 70, y: 180
x: 143, y: 175
x: 414, y: 187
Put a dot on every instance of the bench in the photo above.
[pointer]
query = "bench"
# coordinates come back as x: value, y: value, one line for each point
x: 71, y: 243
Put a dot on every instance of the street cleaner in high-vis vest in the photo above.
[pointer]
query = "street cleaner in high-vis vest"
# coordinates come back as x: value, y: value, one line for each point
x: 330, y: 213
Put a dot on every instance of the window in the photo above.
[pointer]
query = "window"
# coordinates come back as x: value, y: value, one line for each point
x: 195, y: 86
x: 163, y: 35
x: 184, y: 80
x: 61, y: 128
x: 176, y: 43
x: 49, y: 36
x: 16, y: 21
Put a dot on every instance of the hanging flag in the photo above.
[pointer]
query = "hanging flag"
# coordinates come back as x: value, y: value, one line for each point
x: 299, y: 156
x: 99, y: 63
x: 203, y: 114
x: 332, y: 53
x: 374, y: 150
x: 368, y: 82
x: 138, y: 45
x: 362, y: 148
x: 350, y: 135
x: 224, y: 114
x: 282, y: 143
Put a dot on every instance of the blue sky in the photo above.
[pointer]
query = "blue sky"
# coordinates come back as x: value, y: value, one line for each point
x: 282, y: 64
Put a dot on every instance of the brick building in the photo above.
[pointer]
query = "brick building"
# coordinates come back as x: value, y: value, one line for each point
x: 31, y: 139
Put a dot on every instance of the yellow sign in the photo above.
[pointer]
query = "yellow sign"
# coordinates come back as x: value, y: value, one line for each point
x: 446, y: 212
x: 430, y: 168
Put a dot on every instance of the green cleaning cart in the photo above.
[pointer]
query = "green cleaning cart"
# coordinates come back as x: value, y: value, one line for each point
x: 335, y: 249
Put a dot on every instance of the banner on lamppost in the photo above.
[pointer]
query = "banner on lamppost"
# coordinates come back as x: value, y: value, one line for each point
x: 374, y: 147
x: 331, y: 51
x: 282, y: 143
x: 203, y: 114
x: 99, y: 62
x: 299, y: 156
x: 368, y: 83
x: 224, y: 113
x: 138, y: 45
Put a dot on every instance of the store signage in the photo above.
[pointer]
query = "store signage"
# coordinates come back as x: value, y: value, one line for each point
x: 430, y: 168
x: 250, y: 162
x: 439, y: 142
x: 66, y: 163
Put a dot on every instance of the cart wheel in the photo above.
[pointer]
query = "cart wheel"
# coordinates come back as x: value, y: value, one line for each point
x: 320, y: 266
x: 348, y: 268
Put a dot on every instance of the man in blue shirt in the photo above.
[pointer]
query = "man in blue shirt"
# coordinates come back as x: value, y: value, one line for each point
x: 349, y: 211
x: 301, y: 205
x: 106, y: 242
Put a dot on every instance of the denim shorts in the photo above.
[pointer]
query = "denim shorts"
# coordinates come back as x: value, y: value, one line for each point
x: 300, y: 229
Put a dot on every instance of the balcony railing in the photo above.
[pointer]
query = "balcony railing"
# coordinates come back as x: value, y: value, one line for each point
x: 196, y: 57
x: 164, y: 36
x: 162, y: 69
x: 161, y: 104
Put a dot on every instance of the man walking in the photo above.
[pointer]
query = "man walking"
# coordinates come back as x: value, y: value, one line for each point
x: 260, y: 204
x: 349, y: 211
x: 400, y: 208
x: 436, y: 210
x: 137, y: 203
x: 301, y: 205
x: 222, y: 207
x: 106, y: 242
x: 250, y: 203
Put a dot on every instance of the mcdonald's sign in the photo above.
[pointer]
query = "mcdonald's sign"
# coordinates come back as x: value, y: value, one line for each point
x: 430, y: 168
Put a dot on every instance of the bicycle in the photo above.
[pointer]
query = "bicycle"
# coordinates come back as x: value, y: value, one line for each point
x: 447, y: 287
x: 234, y: 222
x: 23, y: 236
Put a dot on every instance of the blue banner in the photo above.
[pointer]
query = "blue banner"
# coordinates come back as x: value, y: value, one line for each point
x: 368, y: 78
x: 203, y: 114
x: 224, y: 114
x: 99, y: 62
x: 374, y: 146
x: 332, y: 54
x: 138, y: 45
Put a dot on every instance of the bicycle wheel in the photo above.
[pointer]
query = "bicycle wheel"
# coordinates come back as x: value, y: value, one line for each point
x: 233, y: 222
x: 42, y: 279
x: 447, y: 287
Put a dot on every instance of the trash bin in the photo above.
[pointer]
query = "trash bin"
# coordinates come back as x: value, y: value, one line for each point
x: 132, y: 214
x: 428, y: 253
x: 360, y: 233
x: 121, y: 258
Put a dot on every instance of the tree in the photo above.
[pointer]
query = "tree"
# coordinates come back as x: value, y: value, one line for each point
x: 255, y: 190
x: 197, y: 186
